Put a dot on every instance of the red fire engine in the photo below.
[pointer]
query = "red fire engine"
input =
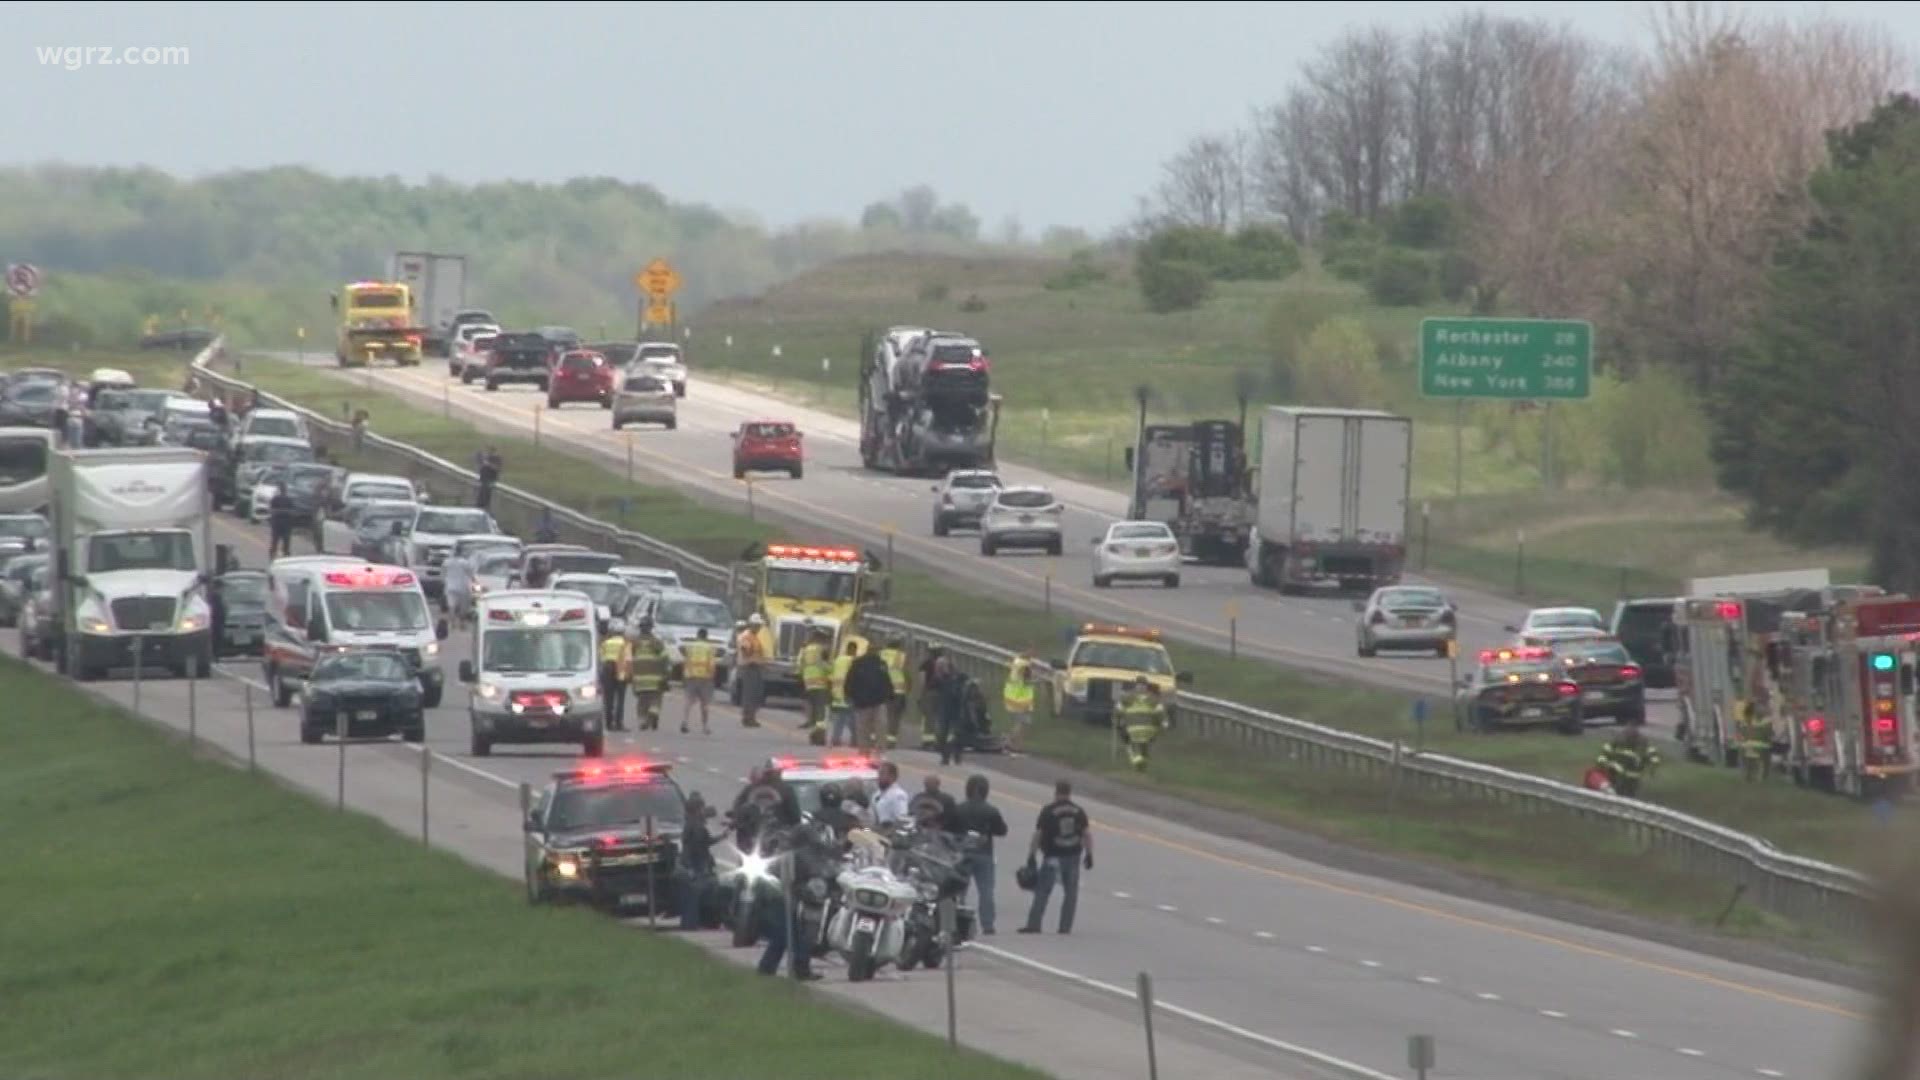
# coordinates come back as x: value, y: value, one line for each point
x: 1851, y: 677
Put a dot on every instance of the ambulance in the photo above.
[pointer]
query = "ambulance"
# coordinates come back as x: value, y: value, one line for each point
x: 321, y: 603
x: 534, y: 673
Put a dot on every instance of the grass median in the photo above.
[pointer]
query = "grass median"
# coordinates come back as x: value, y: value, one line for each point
x: 171, y: 916
x: 1460, y: 834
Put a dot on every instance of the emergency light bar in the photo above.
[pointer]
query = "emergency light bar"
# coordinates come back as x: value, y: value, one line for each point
x: 1507, y: 656
x: 624, y: 767
x: 791, y: 551
x: 1121, y: 631
x: 1729, y: 610
x: 536, y: 617
x: 369, y: 577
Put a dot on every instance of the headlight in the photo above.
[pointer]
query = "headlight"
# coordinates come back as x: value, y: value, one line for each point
x: 190, y: 623
x: 489, y: 691
x: 588, y: 692
x: 567, y: 866
x: 475, y: 587
x: 431, y: 648
x: 1076, y: 687
x: 96, y: 626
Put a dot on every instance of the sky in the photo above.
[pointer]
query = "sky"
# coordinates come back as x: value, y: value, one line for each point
x: 1048, y: 113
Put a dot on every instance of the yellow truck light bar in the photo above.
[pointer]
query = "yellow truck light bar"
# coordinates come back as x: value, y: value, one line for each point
x: 1120, y: 631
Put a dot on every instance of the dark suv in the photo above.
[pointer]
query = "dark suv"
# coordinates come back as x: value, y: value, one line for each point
x: 520, y: 358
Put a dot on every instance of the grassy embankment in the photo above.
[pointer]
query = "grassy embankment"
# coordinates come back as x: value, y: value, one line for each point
x: 1563, y: 858
x: 1079, y: 353
x: 170, y: 916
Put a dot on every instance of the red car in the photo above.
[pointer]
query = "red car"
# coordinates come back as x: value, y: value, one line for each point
x: 580, y: 375
x: 766, y: 446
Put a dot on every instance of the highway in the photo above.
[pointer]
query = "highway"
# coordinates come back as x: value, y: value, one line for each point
x: 843, y: 501
x: 1273, y: 947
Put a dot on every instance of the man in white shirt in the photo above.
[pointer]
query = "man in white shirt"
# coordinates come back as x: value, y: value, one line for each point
x: 890, y: 803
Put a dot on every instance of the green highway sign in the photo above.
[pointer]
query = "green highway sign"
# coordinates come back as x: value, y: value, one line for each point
x: 1506, y: 358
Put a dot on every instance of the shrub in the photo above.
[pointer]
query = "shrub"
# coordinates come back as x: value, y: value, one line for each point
x: 1458, y: 274
x: 1260, y: 253
x: 1080, y: 272
x: 1173, y: 284
x: 1188, y: 243
x: 1402, y: 278
x: 1338, y: 367
x: 1426, y: 223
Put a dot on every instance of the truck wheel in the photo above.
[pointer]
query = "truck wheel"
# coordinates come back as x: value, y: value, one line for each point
x: 414, y: 733
x: 986, y: 546
x: 277, y: 686
x: 309, y: 734
x: 430, y: 695
x: 481, y: 747
x: 1575, y: 725
x: 1054, y: 550
x: 796, y: 472
x: 673, y: 424
x: 1173, y: 580
x: 1366, y: 650
x: 1101, y: 581
x: 616, y: 421
x: 739, y: 473
x: 680, y: 389
x: 939, y: 526
x: 551, y: 403
x: 606, y: 403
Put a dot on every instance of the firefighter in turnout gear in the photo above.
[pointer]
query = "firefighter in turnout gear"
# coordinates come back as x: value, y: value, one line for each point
x: 615, y: 654
x: 1628, y: 758
x: 1141, y: 718
x: 816, y: 678
x: 1756, y: 739
x: 895, y: 657
x: 647, y: 670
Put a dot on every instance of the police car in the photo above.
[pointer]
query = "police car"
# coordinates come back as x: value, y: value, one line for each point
x: 317, y: 604
x: 534, y: 671
x: 1611, y: 684
x: 607, y: 835
x: 856, y: 776
x: 1519, y: 686
x: 1104, y: 662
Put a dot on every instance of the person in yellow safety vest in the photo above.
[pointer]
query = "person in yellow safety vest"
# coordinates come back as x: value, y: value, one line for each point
x: 1016, y: 695
x: 842, y: 709
x: 1756, y: 740
x: 750, y: 668
x: 615, y: 654
x: 1141, y: 718
x: 647, y: 671
x: 816, y: 679
x: 696, y: 675
x: 895, y: 657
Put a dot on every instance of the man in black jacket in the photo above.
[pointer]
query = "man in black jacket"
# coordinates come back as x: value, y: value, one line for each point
x: 869, y: 691
x: 977, y: 815
x: 280, y: 523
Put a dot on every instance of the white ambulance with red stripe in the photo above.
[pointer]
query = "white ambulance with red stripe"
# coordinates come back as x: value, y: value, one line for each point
x: 321, y: 603
x: 534, y: 671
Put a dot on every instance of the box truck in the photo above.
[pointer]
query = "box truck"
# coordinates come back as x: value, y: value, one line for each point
x: 134, y: 534
x: 439, y: 285
x: 1330, y: 498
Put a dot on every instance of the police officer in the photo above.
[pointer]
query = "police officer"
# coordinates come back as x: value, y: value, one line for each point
x: 696, y: 673
x: 1016, y: 697
x: 1141, y: 718
x: 1628, y: 757
x: 816, y: 678
x: 280, y: 523
x: 895, y: 656
x: 647, y: 671
x: 615, y: 656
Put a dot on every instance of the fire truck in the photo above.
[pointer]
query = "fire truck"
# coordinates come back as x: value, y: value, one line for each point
x: 1723, y: 633
x: 1849, y: 674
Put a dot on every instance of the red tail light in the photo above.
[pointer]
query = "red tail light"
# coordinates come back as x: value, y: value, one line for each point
x: 1567, y: 689
x: 1631, y: 671
x: 1816, y: 728
x: 1883, y: 726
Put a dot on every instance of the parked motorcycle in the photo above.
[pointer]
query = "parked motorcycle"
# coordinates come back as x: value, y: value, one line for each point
x: 866, y: 922
x: 936, y: 864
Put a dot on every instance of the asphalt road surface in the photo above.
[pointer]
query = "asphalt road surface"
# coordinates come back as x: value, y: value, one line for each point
x: 840, y: 500
x: 1271, y: 947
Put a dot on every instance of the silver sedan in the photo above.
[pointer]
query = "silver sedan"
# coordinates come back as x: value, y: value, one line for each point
x: 1409, y: 617
x: 1136, y: 551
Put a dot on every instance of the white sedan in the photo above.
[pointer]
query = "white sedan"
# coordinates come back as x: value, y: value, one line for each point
x: 1544, y: 625
x: 1136, y: 551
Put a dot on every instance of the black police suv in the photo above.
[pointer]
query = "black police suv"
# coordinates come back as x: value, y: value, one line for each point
x: 606, y: 834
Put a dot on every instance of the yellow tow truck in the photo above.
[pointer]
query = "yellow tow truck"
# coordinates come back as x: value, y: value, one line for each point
x: 376, y: 320
x: 796, y: 589
x: 1104, y: 661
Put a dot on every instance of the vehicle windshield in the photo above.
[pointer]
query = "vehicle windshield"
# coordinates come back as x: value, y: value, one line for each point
x: 1542, y: 620
x: 608, y: 594
x: 452, y: 521
x: 955, y: 354
x: 496, y: 563
x: 28, y: 526
x: 108, y: 552
x: 203, y: 437
x: 1412, y: 598
x: 581, y: 562
x: 975, y: 483
x: 580, y: 362
x: 248, y: 590
x: 366, y: 665
x: 1593, y: 652
x: 708, y: 613
x: 33, y: 393
x: 536, y: 649
x: 365, y: 490
x: 612, y: 805
x: 769, y: 431
x: 832, y: 586
x: 369, y: 611
x: 1121, y: 656
x: 305, y: 480
x: 280, y: 427
x: 22, y: 459
x: 475, y: 547
x: 1140, y: 532
x: 278, y: 453
x: 382, y: 520
x: 1645, y: 622
x: 375, y: 298
x: 1026, y: 500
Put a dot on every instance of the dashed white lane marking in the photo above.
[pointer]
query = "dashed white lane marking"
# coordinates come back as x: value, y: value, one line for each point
x: 1216, y: 920
x: 1691, y: 1052
x: 1319, y: 950
x: 1166, y: 907
x: 1770, y: 1074
x: 1122, y: 896
x: 683, y: 760
x: 1488, y: 997
x: 1623, y: 1033
x: 1429, y: 980
x: 713, y: 768
x: 1264, y: 935
x: 1370, y: 963
x: 1553, y: 1014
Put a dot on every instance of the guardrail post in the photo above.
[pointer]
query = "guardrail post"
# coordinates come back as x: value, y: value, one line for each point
x: 426, y: 763
x: 253, y: 764
x: 340, y: 780
x: 1145, y: 984
x: 193, y: 702
x: 653, y: 890
x: 949, y: 924
x: 139, y: 641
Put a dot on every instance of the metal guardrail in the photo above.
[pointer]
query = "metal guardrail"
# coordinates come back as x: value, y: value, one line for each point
x: 1819, y: 894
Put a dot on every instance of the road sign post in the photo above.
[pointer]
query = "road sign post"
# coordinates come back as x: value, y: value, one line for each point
x: 1420, y: 1054
x: 656, y: 283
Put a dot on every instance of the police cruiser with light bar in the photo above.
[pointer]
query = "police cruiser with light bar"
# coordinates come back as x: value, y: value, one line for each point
x: 533, y: 671
x: 324, y: 603
x: 606, y: 834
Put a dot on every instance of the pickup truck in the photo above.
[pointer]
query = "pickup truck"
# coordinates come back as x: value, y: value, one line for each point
x: 521, y: 358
